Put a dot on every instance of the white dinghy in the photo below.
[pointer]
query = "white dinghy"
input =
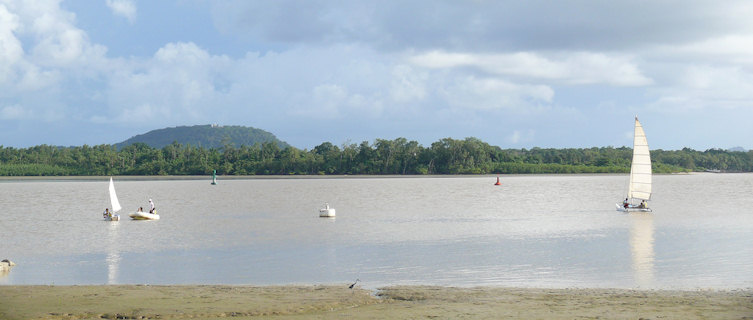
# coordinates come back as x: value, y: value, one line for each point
x: 639, y: 187
x: 112, y: 215
x: 141, y: 215
x: 327, y: 212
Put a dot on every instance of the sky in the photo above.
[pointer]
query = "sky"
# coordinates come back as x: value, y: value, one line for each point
x: 515, y: 74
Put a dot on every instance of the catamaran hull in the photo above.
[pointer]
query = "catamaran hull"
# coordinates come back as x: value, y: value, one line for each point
x: 631, y: 209
x: 143, y: 216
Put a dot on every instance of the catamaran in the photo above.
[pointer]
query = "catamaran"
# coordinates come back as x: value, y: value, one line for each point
x: 639, y: 187
x: 110, y: 215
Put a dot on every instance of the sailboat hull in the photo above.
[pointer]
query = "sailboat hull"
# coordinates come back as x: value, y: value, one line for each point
x: 115, y: 217
x: 631, y: 209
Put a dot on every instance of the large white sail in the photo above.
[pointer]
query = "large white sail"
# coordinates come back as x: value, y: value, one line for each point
x: 114, y: 198
x: 640, y: 170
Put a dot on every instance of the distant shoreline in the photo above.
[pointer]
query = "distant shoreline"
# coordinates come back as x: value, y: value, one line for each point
x: 280, y: 177
x: 340, y: 302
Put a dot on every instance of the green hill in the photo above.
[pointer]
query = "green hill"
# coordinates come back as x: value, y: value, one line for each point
x: 206, y: 136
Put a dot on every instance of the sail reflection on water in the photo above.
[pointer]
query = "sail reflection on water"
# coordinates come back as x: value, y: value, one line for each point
x: 113, y: 254
x: 642, y: 249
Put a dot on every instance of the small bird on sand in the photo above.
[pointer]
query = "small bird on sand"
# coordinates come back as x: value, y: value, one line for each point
x: 354, y: 283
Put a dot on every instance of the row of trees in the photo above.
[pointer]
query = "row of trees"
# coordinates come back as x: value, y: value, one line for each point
x: 398, y: 156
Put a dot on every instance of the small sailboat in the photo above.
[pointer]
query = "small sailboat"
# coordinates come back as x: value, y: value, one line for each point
x: 639, y: 187
x: 327, y: 212
x: 214, y: 177
x: 111, y: 215
x: 141, y: 215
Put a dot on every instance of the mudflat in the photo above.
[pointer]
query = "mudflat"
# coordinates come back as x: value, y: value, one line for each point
x: 340, y: 302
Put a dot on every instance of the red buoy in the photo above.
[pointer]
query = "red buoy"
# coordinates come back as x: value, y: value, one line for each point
x: 498, y: 183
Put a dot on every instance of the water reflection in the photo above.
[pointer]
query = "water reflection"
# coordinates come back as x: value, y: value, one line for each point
x: 642, y: 248
x: 113, y: 254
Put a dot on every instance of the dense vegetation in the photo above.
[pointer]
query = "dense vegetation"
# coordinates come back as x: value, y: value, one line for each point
x: 206, y: 136
x: 399, y: 156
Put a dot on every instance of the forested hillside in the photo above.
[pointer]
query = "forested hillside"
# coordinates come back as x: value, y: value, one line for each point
x: 206, y: 136
x: 399, y: 156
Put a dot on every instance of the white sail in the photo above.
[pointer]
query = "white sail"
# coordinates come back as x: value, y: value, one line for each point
x: 114, y: 198
x: 640, y: 170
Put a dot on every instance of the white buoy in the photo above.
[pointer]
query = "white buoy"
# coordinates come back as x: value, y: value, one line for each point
x: 327, y: 212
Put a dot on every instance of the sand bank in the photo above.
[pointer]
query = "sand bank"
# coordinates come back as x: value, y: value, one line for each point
x: 339, y: 302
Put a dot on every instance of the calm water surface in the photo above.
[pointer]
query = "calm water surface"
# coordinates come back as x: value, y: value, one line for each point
x: 533, y: 231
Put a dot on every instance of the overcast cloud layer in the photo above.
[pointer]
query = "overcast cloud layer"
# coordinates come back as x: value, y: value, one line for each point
x: 517, y: 74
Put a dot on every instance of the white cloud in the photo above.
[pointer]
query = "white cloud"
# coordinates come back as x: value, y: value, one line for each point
x: 182, y: 54
x: 484, y: 26
x: 518, y: 137
x: 407, y: 85
x: 334, y: 101
x: 471, y: 93
x: 178, y: 83
x: 727, y: 49
x: 328, y: 97
x: 123, y: 8
x: 707, y: 87
x: 569, y: 68
x: 369, y: 107
x: 14, y: 112
x: 144, y: 113
x: 52, y: 46
x: 383, y: 66
x: 57, y: 42
x: 35, y: 79
x: 11, y: 50
x: 324, y: 102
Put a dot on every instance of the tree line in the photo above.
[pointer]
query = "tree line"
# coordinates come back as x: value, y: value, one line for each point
x: 382, y: 157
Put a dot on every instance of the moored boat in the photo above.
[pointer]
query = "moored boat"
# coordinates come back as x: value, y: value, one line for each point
x: 327, y: 212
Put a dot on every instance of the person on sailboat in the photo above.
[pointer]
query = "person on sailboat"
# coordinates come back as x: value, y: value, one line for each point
x: 625, y: 203
x: 643, y: 205
x: 107, y: 213
x: 151, y: 206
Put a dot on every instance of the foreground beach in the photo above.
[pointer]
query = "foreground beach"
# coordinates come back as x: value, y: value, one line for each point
x: 339, y: 302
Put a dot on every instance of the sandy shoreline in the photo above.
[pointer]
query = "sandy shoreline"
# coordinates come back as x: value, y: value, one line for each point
x: 339, y: 302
